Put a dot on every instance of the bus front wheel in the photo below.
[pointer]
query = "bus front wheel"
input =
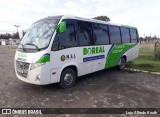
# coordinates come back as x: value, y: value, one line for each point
x: 122, y: 63
x: 68, y: 78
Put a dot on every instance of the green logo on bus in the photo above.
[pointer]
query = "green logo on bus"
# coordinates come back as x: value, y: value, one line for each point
x: 23, y: 55
x: 93, y: 50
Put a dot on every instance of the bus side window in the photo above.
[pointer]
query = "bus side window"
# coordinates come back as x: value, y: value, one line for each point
x: 100, y: 33
x: 125, y: 35
x: 68, y: 38
x: 85, y: 33
x: 115, y: 36
x: 134, y: 36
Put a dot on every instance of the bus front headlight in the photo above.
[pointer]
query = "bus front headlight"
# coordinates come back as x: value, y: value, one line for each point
x: 35, y: 65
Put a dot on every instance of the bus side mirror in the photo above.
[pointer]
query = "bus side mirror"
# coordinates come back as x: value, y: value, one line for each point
x: 62, y: 27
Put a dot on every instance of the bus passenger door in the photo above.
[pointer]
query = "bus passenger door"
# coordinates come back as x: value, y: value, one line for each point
x: 84, y: 34
x: 64, y: 49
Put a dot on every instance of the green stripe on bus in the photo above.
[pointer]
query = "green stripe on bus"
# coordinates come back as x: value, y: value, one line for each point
x: 44, y: 59
x: 127, y: 26
x: 116, y: 52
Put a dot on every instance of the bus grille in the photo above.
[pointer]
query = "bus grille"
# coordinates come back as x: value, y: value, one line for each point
x: 22, y: 68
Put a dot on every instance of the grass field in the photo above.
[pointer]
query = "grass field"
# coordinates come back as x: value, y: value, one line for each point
x: 146, y: 60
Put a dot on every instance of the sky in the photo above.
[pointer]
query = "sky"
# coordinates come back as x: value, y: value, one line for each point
x: 143, y: 14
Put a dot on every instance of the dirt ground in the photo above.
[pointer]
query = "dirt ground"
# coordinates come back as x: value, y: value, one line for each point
x: 106, y: 89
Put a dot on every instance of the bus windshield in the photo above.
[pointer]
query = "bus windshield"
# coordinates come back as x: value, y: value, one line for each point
x: 38, y: 35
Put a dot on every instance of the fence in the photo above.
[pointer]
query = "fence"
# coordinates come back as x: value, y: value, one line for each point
x: 157, y: 50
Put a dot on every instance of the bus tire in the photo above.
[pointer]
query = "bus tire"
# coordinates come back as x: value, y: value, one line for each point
x: 68, y: 78
x: 122, y: 63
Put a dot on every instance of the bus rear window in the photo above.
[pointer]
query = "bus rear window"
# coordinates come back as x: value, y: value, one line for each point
x: 125, y: 35
x: 134, y: 37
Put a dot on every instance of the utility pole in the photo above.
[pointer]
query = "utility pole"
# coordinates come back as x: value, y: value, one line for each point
x: 17, y: 30
x: 17, y: 27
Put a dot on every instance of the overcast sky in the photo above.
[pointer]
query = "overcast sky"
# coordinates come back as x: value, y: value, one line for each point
x: 144, y: 14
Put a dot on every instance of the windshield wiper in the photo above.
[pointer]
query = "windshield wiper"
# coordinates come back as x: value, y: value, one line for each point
x: 23, y: 47
x: 33, y: 45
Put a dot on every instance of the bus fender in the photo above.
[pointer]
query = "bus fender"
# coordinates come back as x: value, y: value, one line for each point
x: 67, y: 65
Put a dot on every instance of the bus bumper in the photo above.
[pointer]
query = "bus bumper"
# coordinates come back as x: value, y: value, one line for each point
x: 38, y: 76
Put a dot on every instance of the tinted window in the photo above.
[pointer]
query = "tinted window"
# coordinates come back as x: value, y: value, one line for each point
x: 134, y: 36
x: 68, y: 38
x: 85, y: 33
x: 55, y: 45
x: 115, y: 36
x: 125, y: 35
x: 100, y: 33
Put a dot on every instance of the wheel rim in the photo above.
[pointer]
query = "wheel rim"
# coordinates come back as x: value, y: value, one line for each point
x: 68, y: 79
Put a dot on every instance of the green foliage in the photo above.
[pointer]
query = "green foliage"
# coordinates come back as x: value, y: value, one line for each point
x: 149, y: 38
x: 103, y: 18
x: 15, y: 35
x: 8, y: 35
x: 5, y: 36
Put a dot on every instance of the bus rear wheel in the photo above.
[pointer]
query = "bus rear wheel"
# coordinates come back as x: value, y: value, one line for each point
x: 68, y: 78
x: 122, y: 63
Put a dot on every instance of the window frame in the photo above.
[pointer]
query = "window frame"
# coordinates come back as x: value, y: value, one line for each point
x: 119, y: 32
x: 78, y: 37
x: 122, y: 33
x: 92, y: 40
x: 70, y: 22
x: 105, y: 25
x: 136, y: 35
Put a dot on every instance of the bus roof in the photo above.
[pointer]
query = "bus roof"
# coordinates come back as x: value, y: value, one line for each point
x: 86, y: 19
x: 97, y: 21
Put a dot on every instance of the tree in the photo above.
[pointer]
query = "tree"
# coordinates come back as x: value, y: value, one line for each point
x: 5, y: 36
x: 103, y: 18
x: 141, y: 39
x: 15, y: 35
